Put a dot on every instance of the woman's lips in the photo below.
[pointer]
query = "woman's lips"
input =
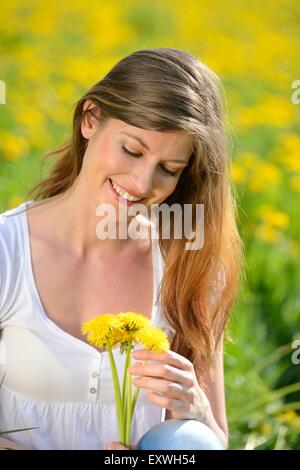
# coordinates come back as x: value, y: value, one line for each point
x: 127, y: 190
x: 122, y: 199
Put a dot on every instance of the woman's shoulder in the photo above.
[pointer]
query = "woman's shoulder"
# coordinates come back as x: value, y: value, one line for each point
x: 9, y: 222
x: 11, y: 254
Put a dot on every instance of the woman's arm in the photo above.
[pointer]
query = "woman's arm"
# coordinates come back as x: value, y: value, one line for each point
x: 5, y: 444
x: 213, y: 387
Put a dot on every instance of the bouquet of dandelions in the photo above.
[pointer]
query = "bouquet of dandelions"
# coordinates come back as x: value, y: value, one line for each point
x: 128, y: 329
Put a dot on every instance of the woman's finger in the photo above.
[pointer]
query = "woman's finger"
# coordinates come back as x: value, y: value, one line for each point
x: 168, y: 357
x: 170, y: 389
x: 164, y: 371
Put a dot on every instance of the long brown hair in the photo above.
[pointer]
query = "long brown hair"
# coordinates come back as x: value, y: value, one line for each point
x: 166, y: 89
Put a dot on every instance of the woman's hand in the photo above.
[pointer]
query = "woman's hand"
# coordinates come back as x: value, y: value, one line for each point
x: 118, y: 446
x: 172, y: 383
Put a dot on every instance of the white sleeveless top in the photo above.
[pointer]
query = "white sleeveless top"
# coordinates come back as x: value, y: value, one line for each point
x: 51, y: 380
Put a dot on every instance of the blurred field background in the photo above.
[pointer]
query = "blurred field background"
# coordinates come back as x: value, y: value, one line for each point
x: 51, y: 52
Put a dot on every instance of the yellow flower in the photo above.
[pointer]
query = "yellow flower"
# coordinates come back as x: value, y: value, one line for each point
x: 131, y: 321
x: 263, y: 113
x: 268, y: 233
x: 153, y: 338
x: 249, y: 160
x: 295, y: 183
x: 277, y: 219
x: 237, y: 173
x: 273, y: 217
x: 101, y: 330
x: 13, y: 146
x: 120, y: 328
x: 265, y: 428
x: 287, y: 416
x: 290, y: 141
x: 15, y: 201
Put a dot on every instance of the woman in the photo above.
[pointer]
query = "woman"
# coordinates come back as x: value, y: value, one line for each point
x: 152, y: 131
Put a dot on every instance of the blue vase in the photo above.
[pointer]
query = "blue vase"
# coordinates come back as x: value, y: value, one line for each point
x: 180, y: 434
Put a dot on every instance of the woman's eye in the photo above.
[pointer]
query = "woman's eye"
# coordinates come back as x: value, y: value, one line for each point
x: 127, y: 152
x: 137, y: 155
x: 169, y: 172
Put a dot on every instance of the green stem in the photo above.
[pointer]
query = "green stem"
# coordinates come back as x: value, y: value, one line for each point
x: 136, y: 394
x: 127, y: 364
x: 124, y: 391
x: 128, y: 410
x: 119, y: 404
x: 137, y: 390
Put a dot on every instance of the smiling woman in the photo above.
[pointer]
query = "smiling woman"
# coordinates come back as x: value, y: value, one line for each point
x: 152, y: 132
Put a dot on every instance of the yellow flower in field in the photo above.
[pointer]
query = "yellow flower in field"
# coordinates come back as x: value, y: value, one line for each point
x: 290, y: 141
x: 14, y: 201
x: 252, y: 170
x: 295, y: 184
x: 287, y: 416
x: 101, y: 331
x: 249, y: 160
x: 65, y: 90
x: 273, y: 217
x: 288, y: 151
x: 263, y: 209
x: 30, y: 116
x: 264, y: 173
x: 272, y: 221
x: 237, y: 173
x: 291, y: 161
x: 268, y: 233
x: 265, y: 428
x: 153, y: 338
x: 271, y: 173
x: 13, y: 146
x: 272, y: 111
x: 291, y: 418
x: 277, y: 219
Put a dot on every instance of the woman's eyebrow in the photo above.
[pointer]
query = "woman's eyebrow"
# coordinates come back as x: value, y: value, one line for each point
x: 143, y: 143
x: 139, y: 139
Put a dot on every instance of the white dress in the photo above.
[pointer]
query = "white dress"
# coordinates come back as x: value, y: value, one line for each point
x: 53, y: 381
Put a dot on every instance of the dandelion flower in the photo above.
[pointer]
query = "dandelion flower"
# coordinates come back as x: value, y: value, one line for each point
x: 153, y: 338
x: 100, y: 331
x: 133, y: 321
x: 129, y: 323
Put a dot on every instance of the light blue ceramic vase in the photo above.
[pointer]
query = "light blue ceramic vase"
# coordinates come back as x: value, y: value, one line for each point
x: 180, y: 434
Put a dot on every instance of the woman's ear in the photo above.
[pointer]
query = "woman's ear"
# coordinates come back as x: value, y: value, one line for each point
x: 90, y: 119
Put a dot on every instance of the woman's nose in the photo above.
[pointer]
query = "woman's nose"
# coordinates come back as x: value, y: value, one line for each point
x: 143, y: 182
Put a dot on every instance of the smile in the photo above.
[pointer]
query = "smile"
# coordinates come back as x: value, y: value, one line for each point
x: 122, y: 193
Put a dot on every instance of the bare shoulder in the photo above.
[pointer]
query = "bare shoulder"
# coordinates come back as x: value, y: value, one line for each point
x: 42, y: 208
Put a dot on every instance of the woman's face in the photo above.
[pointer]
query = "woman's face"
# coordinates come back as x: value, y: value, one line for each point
x: 145, y: 164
